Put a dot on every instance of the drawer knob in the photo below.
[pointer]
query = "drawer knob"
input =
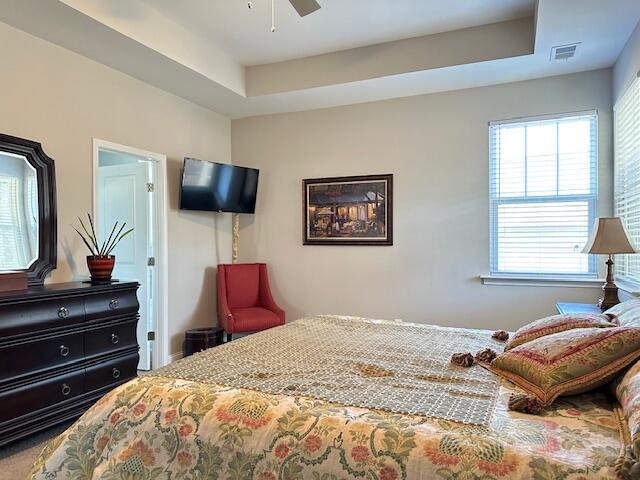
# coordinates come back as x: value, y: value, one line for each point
x: 116, y: 373
x: 113, y: 304
x: 114, y: 338
x: 63, y: 312
x: 66, y: 389
x: 64, y: 350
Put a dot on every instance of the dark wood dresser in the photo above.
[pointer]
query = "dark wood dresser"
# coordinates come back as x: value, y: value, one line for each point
x: 63, y: 346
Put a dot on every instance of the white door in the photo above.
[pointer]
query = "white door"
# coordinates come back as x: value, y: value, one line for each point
x: 124, y: 196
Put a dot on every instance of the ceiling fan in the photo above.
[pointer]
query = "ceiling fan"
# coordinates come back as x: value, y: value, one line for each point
x: 303, y: 7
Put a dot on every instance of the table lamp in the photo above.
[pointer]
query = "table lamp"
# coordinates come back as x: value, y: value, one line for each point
x: 609, y: 237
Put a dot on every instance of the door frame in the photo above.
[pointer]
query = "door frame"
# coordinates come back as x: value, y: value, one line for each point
x: 160, y: 350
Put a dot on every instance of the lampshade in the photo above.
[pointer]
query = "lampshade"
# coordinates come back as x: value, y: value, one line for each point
x: 608, y: 236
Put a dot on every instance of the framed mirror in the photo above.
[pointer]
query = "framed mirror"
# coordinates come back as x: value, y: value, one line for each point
x: 28, y: 229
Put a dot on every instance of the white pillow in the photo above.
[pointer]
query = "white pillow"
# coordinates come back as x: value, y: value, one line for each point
x: 626, y: 314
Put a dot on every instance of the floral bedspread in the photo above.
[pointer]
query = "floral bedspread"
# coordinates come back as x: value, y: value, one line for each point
x: 162, y: 428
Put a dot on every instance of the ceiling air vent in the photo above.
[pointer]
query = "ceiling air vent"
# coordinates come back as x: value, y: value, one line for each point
x: 564, y: 52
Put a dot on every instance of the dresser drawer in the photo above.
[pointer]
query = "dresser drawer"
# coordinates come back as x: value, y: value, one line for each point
x: 111, y: 372
x: 26, y: 317
x: 38, y: 395
x: 44, y: 334
x: 36, y: 356
x: 110, y: 338
x: 110, y: 304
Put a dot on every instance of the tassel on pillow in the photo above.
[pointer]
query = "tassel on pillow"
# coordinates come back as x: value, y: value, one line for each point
x: 500, y: 335
x: 523, y: 403
x: 462, y: 359
x: 486, y: 355
x: 628, y: 465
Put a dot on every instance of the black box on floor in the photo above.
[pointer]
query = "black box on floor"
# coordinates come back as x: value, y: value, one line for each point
x: 200, y: 339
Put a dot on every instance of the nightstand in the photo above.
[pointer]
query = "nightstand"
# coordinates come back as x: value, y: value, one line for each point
x: 578, y: 308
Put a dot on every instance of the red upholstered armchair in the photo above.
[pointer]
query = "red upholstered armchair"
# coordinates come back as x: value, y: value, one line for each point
x: 245, y: 303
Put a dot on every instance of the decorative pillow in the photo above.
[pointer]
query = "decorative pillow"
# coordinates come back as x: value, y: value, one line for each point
x: 569, y: 362
x: 556, y: 324
x: 625, y: 314
x: 628, y: 394
x: 627, y: 391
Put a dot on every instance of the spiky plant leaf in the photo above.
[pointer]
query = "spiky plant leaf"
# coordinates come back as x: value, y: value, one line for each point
x: 113, y: 243
x: 84, y: 240
x: 119, y: 239
x: 93, y: 230
x: 108, y: 240
x: 92, y: 238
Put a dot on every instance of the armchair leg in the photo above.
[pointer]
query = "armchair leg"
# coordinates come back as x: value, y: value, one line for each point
x: 228, y: 336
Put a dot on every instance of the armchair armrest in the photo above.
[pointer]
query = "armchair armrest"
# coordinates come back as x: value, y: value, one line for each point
x: 266, y: 299
x: 225, y: 317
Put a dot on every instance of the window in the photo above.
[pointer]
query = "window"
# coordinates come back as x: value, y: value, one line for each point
x: 543, y: 195
x: 627, y: 175
x: 12, y: 253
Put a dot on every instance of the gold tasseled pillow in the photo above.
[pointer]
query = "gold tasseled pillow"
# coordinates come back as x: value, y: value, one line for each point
x: 569, y: 362
x: 557, y: 324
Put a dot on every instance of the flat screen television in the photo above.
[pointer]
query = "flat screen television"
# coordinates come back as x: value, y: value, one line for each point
x: 218, y: 187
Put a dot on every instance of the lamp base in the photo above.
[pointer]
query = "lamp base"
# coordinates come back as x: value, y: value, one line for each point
x: 610, y: 297
x: 610, y: 289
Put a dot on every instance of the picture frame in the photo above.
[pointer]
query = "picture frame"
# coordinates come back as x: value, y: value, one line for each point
x: 353, y: 210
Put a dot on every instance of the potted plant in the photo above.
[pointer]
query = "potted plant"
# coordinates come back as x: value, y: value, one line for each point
x: 101, y: 262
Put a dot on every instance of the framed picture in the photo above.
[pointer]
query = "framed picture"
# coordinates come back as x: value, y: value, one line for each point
x: 348, y: 210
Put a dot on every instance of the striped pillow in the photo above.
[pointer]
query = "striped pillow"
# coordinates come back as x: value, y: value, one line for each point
x: 557, y: 324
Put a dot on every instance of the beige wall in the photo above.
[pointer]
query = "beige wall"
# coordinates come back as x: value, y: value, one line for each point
x: 63, y: 101
x: 436, y: 146
x: 628, y: 64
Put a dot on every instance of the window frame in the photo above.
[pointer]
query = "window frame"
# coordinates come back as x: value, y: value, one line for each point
x: 627, y: 277
x: 495, y: 201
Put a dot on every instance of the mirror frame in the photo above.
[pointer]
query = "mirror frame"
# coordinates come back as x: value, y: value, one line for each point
x: 47, y: 215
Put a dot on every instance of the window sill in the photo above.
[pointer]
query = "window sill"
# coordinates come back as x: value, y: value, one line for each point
x: 536, y: 281
x: 630, y: 287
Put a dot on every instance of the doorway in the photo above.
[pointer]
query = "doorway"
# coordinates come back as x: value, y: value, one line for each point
x: 130, y: 186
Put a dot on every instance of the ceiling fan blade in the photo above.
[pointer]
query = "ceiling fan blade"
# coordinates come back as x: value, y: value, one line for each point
x: 305, y: 7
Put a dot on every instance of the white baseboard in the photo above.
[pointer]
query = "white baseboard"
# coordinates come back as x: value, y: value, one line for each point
x: 174, y: 357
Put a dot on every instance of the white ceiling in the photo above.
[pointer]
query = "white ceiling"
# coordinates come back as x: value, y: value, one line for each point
x: 340, y: 24
x: 199, y: 52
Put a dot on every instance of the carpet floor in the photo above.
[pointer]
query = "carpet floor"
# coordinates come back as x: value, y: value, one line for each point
x: 16, y: 459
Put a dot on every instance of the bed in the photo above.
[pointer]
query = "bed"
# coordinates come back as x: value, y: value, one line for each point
x: 331, y: 398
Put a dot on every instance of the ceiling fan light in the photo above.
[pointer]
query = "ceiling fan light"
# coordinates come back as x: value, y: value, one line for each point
x: 273, y: 16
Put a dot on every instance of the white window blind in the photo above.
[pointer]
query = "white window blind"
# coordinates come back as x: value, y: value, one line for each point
x: 543, y: 194
x: 627, y: 175
x: 12, y: 252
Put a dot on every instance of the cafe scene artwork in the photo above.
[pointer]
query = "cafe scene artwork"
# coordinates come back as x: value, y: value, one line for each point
x: 348, y: 210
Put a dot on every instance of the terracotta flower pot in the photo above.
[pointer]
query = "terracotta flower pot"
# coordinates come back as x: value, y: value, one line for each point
x: 100, y: 268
